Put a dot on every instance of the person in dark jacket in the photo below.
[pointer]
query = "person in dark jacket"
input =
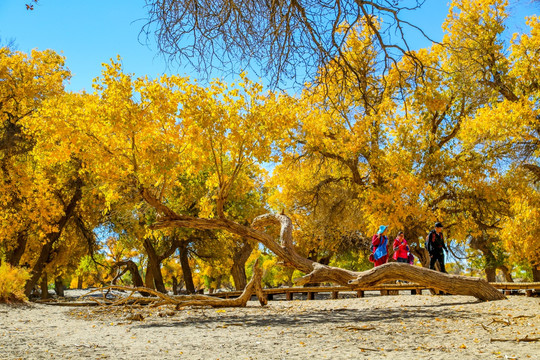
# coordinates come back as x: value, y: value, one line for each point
x: 435, y: 246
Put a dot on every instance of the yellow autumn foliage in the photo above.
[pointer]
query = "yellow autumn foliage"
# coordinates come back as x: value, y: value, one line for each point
x: 404, y: 147
x: 12, y: 281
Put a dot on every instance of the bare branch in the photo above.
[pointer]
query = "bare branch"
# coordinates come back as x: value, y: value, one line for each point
x: 280, y: 39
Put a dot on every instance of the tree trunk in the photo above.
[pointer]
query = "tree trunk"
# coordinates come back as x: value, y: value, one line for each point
x: 149, y: 277
x: 13, y: 257
x: 415, y: 235
x: 238, y: 269
x: 491, y: 268
x: 37, y: 271
x: 153, y: 272
x: 136, y: 278
x: 180, y: 284
x: 422, y: 255
x: 154, y: 265
x: 482, y: 244
x: 80, y: 282
x: 174, y: 285
x: 52, y: 238
x: 59, y: 286
x: 491, y: 274
x: 453, y: 284
x: 186, y: 269
x: 535, y: 273
x: 506, y: 273
x: 44, y: 286
x: 239, y: 276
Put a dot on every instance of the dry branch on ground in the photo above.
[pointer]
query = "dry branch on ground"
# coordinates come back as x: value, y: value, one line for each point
x: 180, y: 301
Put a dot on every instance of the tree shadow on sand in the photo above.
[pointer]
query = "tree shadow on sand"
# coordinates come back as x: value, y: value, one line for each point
x: 315, y: 317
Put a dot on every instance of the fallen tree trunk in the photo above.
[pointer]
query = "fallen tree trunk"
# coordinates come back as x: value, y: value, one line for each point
x: 318, y: 273
x: 453, y: 284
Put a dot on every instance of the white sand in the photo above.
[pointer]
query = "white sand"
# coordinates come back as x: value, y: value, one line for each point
x: 393, y: 327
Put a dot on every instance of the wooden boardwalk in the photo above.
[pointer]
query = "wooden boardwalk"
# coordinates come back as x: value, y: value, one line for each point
x: 384, y: 289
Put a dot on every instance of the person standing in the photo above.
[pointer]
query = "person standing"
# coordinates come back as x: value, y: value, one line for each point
x: 380, y: 246
x: 435, y: 246
x: 401, y: 249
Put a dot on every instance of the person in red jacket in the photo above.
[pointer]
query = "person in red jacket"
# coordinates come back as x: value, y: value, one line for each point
x: 401, y: 249
x: 380, y: 246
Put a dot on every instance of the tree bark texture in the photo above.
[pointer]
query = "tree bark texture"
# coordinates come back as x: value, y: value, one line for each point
x: 186, y: 269
x: 238, y: 269
x: 535, y: 273
x: 13, y: 257
x: 452, y: 284
x: 506, y: 272
x: 154, y: 263
x: 149, y: 277
x: 483, y: 245
x: 154, y: 266
x: 44, y: 286
x: 133, y: 270
x: 59, y: 286
x: 491, y: 274
x: 422, y: 255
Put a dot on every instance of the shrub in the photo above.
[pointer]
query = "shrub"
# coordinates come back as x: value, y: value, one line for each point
x: 12, y: 281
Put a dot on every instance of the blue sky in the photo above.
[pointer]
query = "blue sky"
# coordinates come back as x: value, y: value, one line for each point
x: 91, y: 32
x: 88, y: 33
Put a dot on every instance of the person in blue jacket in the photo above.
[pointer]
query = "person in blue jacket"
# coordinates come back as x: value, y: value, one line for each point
x: 379, y: 244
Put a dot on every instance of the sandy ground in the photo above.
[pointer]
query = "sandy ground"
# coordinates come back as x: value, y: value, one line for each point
x: 374, y: 327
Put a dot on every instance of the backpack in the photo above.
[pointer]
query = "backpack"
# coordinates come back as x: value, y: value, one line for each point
x: 381, y: 250
x: 410, y: 258
x: 372, y: 247
x: 426, y: 244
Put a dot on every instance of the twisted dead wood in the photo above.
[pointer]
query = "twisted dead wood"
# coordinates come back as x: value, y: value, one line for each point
x: 253, y: 287
x: 452, y: 284
x: 318, y: 273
